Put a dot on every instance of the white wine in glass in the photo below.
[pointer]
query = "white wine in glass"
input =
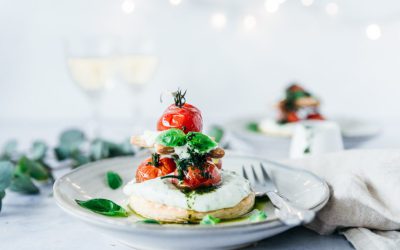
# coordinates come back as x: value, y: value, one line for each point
x: 137, y: 70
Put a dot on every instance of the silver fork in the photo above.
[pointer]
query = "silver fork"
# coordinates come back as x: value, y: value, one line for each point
x: 285, y: 210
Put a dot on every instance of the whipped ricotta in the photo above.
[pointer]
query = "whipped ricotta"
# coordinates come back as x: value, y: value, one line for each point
x: 234, y: 188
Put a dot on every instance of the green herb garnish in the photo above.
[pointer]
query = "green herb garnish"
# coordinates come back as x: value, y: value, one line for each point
x: 149, y: 221
x: 258, y: 216
x: 200, y: 142
x: 209, y: 220
x: 253, y: 126
x: 104, y: 207
x: 113, y: 179
x: 172, y: 138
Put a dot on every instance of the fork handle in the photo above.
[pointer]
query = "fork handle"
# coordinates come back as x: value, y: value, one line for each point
x: 288, y: 213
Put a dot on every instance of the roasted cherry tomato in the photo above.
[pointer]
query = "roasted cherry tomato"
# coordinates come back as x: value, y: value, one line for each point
x: 181, y: 115
x: 195, y: 178
x: 315, y: 116
x: 154, y: 167
x: 292, y: 117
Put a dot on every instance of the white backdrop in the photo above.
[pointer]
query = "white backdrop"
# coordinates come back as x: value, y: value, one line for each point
x: 228, y: 72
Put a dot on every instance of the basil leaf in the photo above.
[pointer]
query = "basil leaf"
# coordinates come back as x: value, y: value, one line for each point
x: 149, y: 221
x: 72, y: 138
x: 253, y: 126
x: 199, y: 142
x: 171, y: 138
x: 258, y: 216
x: 22, y: 183
x: 6, y: 169
x: 217, y: 132
x: 38, y: 150
x: 209, y: 220
x: 32, y: 168
x: 104, y: 207
x: 114, y: 180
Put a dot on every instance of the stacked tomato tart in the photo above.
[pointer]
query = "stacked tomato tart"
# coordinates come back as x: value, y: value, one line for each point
x: 183, y: 179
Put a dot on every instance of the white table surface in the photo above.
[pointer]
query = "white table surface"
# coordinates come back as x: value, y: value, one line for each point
x: 36, y: 223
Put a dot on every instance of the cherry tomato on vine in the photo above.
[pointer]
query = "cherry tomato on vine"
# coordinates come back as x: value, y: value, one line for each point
x: 154, y: 167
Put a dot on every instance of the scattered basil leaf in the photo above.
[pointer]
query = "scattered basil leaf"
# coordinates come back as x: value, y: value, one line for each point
x: 6, y: 170
x: 217, y: 132
x: 258, y: 216
x: 114, y: 180
x: 171, y: 138
x: 253, y: 126
x: 22, y: 183
x: 104, y: 207
x: 32, y: 168
x: 209, y: 220
x: 200, y: 142
x: 149, y: 221
x: 38, y: 150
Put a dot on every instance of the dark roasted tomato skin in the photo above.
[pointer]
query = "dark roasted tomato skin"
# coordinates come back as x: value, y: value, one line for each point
x: 187, y: 118
x: 195, y: 178
x: 147, y: 171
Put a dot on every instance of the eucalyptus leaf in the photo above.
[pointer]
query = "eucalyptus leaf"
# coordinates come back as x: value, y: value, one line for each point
x: 200, y: 142
x: 6, y: 171
x: 209, y: 220
x: 258, y: 216
x: 79, y: 158
x: 99, y: 150
x: 171, y: 138
x: 114, y: 180
x: 38, y: 150
x: 32, y: 168
x: 22, y: 183
x: 2, y: 195
x: 72, y: 138
x: 217, y: 132
x: 9, y: 149
x: 104, y: 207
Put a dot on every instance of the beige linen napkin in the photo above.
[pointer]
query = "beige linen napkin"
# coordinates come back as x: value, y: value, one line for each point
x: 365, y: 196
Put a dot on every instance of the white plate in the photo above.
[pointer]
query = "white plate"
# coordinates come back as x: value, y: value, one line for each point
x: 86, y: 182
x: 355, y: 131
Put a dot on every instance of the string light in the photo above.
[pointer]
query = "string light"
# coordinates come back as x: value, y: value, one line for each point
x: 128, y: 6
x: 373, y: 32
x: 249, y: 22
x: 218, y: 20
x: 175, y: 2
x: 332, y: 8
x: 307, y: 2
x: 272, y: 6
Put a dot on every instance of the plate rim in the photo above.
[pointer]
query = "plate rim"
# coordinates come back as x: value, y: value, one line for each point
x: 94, y: 218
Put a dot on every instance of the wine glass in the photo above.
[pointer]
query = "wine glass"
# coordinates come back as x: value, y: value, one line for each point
x: 137, y: 64
x: 91, y: 64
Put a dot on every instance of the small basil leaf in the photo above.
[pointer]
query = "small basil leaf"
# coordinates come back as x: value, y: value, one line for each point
x: 258, y: 216
x: 149, y: 221
x: 209, y: 220
x: 22, y: 183
x: 6, y: 170
x: 32, y: 168
x: 72, y: 138
x: 253, y: 126
x: 199, y: 142
x: 38, y: 150
x: 171, y: 138
x: 104, y: 207
x: 114, y: 180
x: 217, y: 132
